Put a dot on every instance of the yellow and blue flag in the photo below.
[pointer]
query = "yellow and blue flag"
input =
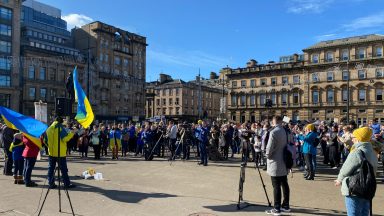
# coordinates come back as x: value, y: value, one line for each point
x: 31, y: 128
x: 84, y: 113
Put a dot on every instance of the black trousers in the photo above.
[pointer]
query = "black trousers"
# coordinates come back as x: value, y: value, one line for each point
x: 279, y: 182
x: 8, y: 162
x: 96, y: 149
x: 172, y: 148
x: 308, y: 162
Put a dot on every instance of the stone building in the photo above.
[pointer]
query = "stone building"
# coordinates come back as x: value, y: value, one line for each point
x: 117, y: 70
x: 181, y: 100
x: 313, y: 85
x: 10, y: 51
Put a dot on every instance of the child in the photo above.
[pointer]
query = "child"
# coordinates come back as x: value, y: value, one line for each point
x: 257, y: 147
x: 17, y: 148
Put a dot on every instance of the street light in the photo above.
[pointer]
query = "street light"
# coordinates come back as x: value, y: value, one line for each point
x: 348, y: 97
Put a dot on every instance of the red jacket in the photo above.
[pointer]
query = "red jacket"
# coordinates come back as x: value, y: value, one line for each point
x: 31, y: 150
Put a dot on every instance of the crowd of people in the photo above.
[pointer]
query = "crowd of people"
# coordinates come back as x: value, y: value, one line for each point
x: 262, y: 143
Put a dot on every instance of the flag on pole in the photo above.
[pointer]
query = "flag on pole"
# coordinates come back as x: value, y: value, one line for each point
x: 84, y: 113
x: 31, y: 128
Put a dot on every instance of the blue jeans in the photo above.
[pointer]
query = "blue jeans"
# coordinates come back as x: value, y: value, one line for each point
x: 203, y: 153
x: 19, y: 167
x: 29, y: 164
x: 314, y: 162
x: 63, y: 167
x: 357, y: 206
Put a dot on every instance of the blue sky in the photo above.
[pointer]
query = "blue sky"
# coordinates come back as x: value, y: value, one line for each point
x: 185, y: 35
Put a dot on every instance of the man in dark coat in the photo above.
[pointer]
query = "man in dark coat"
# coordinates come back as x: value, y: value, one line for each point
x: 7, y: 138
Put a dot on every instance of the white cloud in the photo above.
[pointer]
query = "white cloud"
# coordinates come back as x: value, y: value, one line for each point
x: 325, y: 37
x: 77, y: 20
x: 193, y: 59
x: 308, y: 6
x: 367, y: 22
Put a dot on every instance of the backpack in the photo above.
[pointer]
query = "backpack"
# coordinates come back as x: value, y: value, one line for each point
x: 363, y: 183
x: 288, y: 157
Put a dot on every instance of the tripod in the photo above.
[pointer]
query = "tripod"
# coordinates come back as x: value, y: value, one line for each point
x: 58, y: 169
x: 181, y: 142
x: 154, y: 147
x: 242, y: 180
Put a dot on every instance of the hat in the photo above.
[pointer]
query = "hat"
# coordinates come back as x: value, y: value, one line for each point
x: 363, y: 134
x: 200, y: 122
x: 311, y: 127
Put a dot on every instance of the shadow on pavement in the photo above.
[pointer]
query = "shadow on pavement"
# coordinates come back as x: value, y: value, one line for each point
x: 120, y: 195
x: 262, y: 207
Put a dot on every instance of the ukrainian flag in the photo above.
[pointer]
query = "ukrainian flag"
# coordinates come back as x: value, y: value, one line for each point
x: 84, y: 110
x: 31, y: 128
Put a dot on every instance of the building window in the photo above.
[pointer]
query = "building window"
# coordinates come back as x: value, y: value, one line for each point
x: 170, y: 101
x: 32, y: 93
x: 5, y: 100
x: 43, y: 94
x: 284, y: 98
x: 329, y: 57
x: 296, y: 79
x: 345, y: 75
x: 315, y: 77
x: 330, y: 96
x: 177, y: 110
x: 243, y: 100
x: 252, y: 100
x: 5, y: 81
x: 170, y: 92
x: 379, y: 51
x: 315, y: 96
x: 262, y: 99
x: 5, y: 30
x: 177, y: 101
x: 273, y: 98
x: 177, y: 91
x: 361, y: 53
x: 273, y: 81
x: 5, y: 46
x: 362, y: 95
x: 5, y: 64
x: 295, y: 98
x: 31, y: 72
x: 263, y: 82
x: 379, y: 73
x: 345, y: 55
x: 315, y: 58
x: 234, y: 84
x: 158, y: 102
x: 315, y: 111
x: 243, y: 83
x: 330, y: 76
x: 253, y: 83
x: 344, y: 94
x: 42, y: 74
x: 5, y: 13
x: 164, y: 102
x: 117, y: 60
x: 234, y: 100
x: 379, y: 94
x: 284, y: 80
x: 361, y: 74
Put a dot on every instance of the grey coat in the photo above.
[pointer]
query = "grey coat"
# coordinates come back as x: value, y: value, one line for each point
x: 275, y: 150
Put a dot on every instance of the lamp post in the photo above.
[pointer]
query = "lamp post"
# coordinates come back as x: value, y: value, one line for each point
x: 348, y: 97
x: 223, y: 103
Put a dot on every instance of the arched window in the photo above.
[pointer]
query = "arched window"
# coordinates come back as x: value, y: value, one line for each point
x: 330, y: 95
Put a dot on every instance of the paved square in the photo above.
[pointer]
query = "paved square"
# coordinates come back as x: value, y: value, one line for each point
x: 133, y: 186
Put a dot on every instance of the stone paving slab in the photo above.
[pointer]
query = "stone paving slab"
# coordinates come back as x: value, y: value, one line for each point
x: 132, y: 186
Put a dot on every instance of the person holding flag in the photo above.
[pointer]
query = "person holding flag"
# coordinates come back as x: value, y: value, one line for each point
x: 30, y: 155
x: 56, y: 155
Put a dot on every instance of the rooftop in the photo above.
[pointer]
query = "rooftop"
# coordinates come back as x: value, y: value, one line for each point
x: 346, y: 41
x: 43, y: 8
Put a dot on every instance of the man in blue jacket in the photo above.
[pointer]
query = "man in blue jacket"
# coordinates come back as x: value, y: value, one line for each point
x: 202, y: 136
